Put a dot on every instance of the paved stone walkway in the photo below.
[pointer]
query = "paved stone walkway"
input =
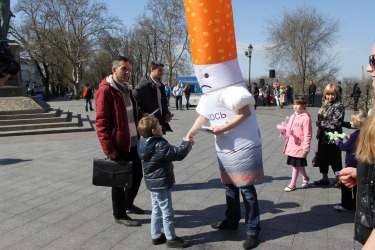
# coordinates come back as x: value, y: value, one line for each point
x: 47, y: 200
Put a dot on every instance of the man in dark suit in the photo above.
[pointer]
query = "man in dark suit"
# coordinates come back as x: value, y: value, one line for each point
x: 356, y: 95
x: 150, y: 95
x: 312, y: 90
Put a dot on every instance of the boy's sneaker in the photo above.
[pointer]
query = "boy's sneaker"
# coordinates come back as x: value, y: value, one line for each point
x: 160, y: 240
x: 177, y: 243
x: 250, y: 242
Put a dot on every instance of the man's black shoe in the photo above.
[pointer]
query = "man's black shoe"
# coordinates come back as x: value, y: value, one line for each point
x: 177, y: 243
x: 135, y: 210
x: 160, y: 240
x: 127, y: 221
x: 225, y: 225
x: 250, y: 242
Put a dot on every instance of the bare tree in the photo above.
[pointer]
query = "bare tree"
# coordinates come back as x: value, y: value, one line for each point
x: 165, y: 35
x: 71, y: 29
x: 301, y: 41
x: 30, y: 33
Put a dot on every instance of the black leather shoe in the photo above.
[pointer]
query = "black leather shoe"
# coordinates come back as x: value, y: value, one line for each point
x: 160, y: 240
x: 127, y: 221
x: 225, y: 225
x: 135, y: 210
x: 250, y: 242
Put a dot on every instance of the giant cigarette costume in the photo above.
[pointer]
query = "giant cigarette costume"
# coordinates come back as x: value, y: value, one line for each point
x: 214, y: 54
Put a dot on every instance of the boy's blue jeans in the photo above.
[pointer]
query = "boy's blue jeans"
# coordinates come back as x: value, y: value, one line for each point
x: 250, y: 200
x: 162, y: 214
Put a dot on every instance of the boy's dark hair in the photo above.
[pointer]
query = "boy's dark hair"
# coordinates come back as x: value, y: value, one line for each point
x: 155, y: 64
x: 146, y: 124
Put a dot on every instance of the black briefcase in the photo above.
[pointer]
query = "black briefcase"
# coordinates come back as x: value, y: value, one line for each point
x: 111, y: 173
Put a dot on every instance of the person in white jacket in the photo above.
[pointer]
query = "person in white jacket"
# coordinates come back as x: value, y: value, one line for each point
x: 177, y: 93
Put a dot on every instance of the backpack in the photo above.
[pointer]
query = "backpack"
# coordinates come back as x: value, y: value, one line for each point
x: 85, y: 92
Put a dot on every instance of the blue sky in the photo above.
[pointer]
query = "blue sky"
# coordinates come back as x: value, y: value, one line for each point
x: 357, y: 32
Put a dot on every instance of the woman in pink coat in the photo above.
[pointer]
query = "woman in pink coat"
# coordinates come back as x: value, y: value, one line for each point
x: 298, y: 137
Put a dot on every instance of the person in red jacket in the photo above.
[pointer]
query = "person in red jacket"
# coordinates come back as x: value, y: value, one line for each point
x: 117, y: 115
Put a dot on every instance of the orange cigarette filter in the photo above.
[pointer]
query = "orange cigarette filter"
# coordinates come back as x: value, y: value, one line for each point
x: 211, y: 31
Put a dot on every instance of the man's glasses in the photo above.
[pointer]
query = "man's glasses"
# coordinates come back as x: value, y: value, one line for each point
x: 372, y: 61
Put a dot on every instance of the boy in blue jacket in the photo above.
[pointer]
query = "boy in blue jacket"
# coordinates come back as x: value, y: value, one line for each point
x: 157, y: 156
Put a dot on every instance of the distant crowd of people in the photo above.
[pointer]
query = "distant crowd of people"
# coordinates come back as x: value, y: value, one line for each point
x: 276, y: 94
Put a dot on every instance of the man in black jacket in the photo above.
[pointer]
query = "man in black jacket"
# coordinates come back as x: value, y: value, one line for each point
x: 150, y: 95
x: 356, y: 94
x: 340, y: 90
x: 255, y: 92
x: 312, y: 90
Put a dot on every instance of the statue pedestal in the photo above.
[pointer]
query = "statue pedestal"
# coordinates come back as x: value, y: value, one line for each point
x: 13, y: 86
x: 22, y: 105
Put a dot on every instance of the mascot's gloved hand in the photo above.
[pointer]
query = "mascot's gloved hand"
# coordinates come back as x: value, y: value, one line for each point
x: 334, y: 135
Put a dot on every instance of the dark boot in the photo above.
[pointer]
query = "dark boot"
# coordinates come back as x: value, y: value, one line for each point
x: 250, y: 242
x: 160, y: 240
x: 127, y: 221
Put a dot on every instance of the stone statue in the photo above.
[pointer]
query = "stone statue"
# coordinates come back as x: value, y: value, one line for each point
x: 5, y: 15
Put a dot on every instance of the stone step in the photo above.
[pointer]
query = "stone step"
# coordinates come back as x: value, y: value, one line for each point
x: 37, y: 126
x: 67, y: 122
x: 33, y: 121
x: 76, y: 124
x: 52, y: 113
x: 46, y: 131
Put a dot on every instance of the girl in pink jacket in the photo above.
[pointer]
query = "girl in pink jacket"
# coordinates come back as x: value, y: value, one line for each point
x: 298, y: 137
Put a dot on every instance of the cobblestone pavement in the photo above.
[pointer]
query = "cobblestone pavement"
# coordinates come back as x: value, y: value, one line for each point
x: 47, y: 200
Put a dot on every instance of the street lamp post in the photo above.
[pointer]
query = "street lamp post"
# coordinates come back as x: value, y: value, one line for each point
x: 248, y: 54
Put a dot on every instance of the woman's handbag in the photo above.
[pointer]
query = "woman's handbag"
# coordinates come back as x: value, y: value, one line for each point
x: 112, y: 173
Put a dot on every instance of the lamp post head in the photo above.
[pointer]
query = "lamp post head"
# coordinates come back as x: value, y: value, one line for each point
x: 250, y: 48
x: 249, y: 51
